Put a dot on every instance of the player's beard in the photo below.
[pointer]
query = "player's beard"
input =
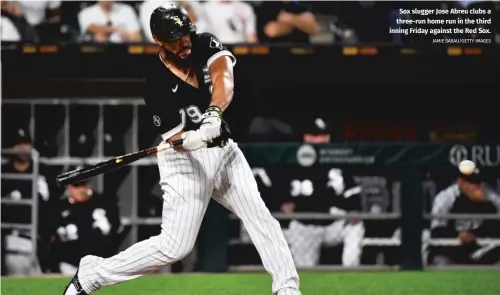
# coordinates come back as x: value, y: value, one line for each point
x: 180, y: 62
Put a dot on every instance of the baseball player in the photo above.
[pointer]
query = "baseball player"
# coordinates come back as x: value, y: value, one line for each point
x: 318, y: 190
x: 17, y: 243
x: 187, y: 91
x: 87, y: 223
x: 469, y: 194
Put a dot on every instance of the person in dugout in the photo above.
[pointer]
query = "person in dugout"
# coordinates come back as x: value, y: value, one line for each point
x: 88, y: 224
x: 319, y: 190
x: 470, y: 194
x: 316, y: 189
x: 17, y: 243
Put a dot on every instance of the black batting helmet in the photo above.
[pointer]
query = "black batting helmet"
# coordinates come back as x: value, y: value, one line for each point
x: 170, y: 22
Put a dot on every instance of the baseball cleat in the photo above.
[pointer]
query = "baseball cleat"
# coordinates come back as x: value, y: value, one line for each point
x: 74, y: 287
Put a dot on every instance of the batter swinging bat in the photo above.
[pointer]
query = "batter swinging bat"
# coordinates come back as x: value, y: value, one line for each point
x: 82, y: 174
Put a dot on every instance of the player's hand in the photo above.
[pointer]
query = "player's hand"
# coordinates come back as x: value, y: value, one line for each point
x: 466, y: 237
x: 193, y: 140
x: 211, y: 123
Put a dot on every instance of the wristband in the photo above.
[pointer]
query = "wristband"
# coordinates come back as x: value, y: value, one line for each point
x: 214, y: 109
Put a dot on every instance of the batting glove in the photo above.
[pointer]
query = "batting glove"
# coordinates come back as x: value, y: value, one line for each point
x: 193, y: 140
x: 211, y: 123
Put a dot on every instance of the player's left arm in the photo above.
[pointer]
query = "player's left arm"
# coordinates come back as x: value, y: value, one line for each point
x: 220, y: 63
x: 346, y: 191
x: 221, y: 73
x: 352, y: 201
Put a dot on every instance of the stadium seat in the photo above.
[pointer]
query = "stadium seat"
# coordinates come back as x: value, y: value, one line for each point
x: 49, y: 121
x: 83, y: 122
x: 14, y: 116
x: 117, y: 124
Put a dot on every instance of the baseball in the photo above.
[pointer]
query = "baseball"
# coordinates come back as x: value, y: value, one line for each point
x: 467, y: 167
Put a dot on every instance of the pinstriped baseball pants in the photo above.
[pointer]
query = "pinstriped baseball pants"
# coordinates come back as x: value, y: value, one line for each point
x: 188, y: 181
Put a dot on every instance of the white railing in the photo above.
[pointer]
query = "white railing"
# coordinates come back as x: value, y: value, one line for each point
x: 64, y: 159
x: 32, y: 201
x: 392, y: 241
x: 131, y: 204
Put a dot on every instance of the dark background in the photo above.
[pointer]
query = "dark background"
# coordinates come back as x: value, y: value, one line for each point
x: 419, y: 90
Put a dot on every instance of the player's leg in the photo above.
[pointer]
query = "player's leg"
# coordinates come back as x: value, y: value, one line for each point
x: 18, y: 260
x: 305, y: 243
x: 487, y: 254
x: 333, y: 234
x: 237, y: 190
x: 187, y: 182
x: 354, y: 234
x: 351, y: 235
x: 18, y: 264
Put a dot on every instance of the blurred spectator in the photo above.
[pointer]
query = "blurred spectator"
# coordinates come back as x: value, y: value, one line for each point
x: 88, y: 224
x: 269, y: 130
x: 320, y: 132
x: 467, y: 3
x: 370, y: 20
x: 110, y: 21
x: 231, y: 21
x: 9, y: 31
x: 285, y: 21
x: 193, y: 8
x: 44, y: 16
x: 18, y: 242
x: 470, y: 194
x: 14, y: 26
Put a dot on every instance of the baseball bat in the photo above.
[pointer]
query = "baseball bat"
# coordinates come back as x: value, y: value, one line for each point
x: 82, y: 174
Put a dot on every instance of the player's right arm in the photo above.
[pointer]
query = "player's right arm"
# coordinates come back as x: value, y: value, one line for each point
x: 443, y: 202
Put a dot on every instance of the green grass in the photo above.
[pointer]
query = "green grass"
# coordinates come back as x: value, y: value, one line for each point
x: 367, y: 283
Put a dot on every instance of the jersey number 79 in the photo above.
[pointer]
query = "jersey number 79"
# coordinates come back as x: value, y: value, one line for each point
x: 193, y: 112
